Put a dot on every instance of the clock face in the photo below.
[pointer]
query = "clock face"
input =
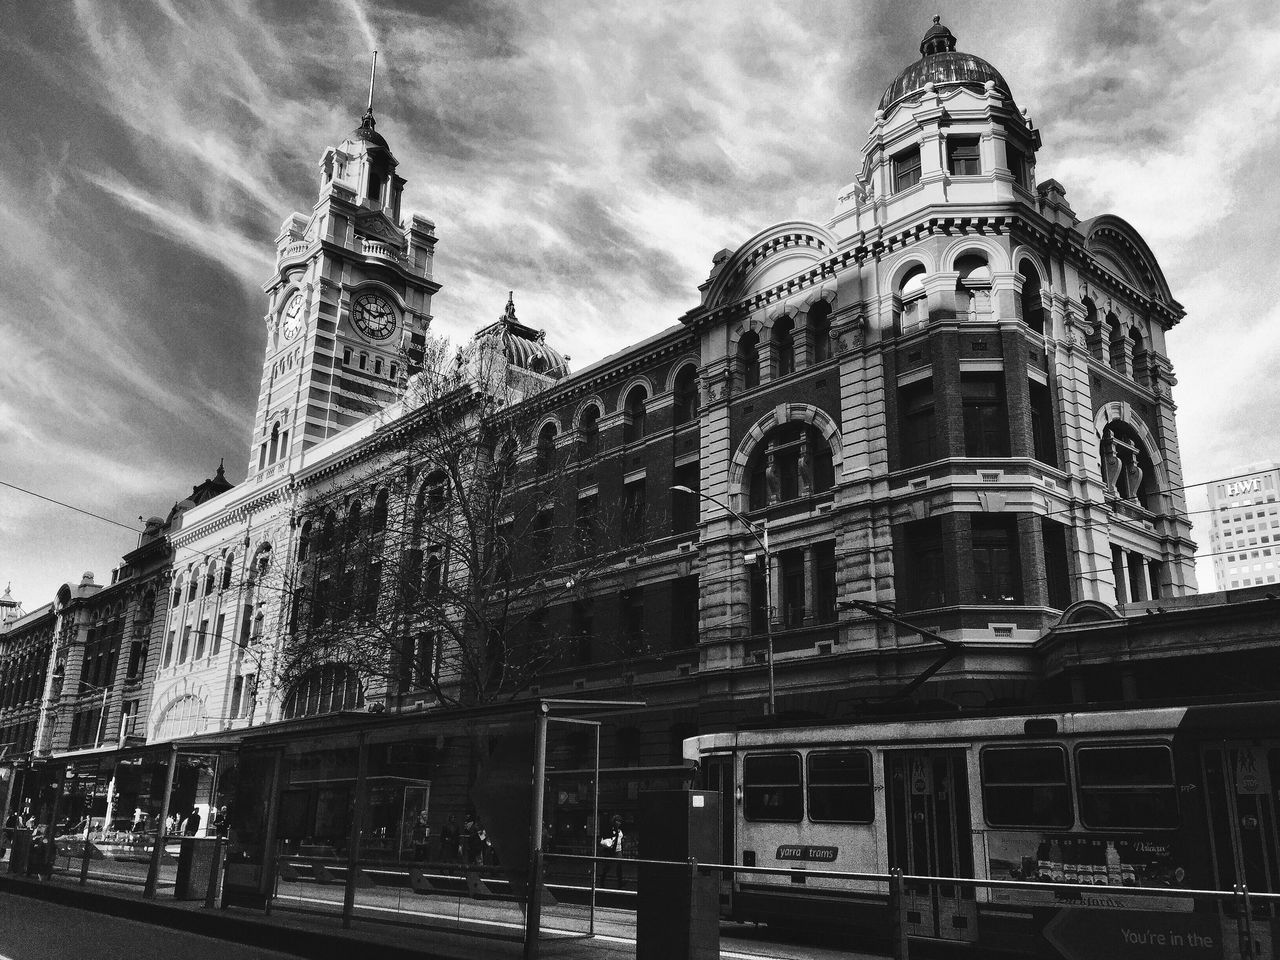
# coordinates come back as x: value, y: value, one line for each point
x: 374, y: 316
x: 292, y: 317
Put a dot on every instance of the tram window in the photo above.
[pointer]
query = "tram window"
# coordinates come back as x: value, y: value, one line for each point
x: 1026, y: 787
x: 840, y: 789
x: 771, y: 788
x: 1124, y: 787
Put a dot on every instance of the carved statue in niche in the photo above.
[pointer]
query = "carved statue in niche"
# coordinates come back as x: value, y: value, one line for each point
x: 1111, y: 467
x: 805, y: 469
x: 1132, y: 477
x: 773, y: 482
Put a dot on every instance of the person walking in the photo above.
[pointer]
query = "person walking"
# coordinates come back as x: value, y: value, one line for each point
x: 43, y: 854
x: 420, y: 836
x: 192, y: 826
x: 611, y: 848
x: 449, y: 841
x: 220, y: 823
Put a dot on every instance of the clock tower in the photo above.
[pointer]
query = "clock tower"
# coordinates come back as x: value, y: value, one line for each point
x: 348, y: 304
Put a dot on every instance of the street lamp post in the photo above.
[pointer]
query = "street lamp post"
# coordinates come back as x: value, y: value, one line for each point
x: 761, y: 533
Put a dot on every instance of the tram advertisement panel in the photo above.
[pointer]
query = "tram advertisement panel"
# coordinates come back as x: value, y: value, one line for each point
x: 1106, y: 861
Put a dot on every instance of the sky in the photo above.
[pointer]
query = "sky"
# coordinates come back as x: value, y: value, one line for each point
x: 590, y: 156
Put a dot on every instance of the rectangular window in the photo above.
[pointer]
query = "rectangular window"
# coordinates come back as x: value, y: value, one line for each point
x: 1043, y: 439
x: 633, y: 516
x: 791, y: 576
x: 684, y: 611
x: 771, y: 790
x: 1017, y: 165
x: 1057, y: 573
x: 581, y: 630
x: 217, y: 635
x: 631, y: 619
x: 377, y: 366
x: 756, y: 585
x: 917, y: 425
x: 924, y: 584
x: 346, y: 356
x: 986, y: 422
x: 997, y: 577
x: 685, y: 506
x: 584, y: 524
x: 824, y: 590
x: 906, y: 169
x: 963, y: 158
x: 1026, y: 787
x: 840, y: 787
x: 202, y: 638
x: 168, y: 648
x: 185, y: 649
x: 1127, y: 787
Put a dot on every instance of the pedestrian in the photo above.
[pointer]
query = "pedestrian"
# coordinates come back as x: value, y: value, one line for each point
x: 220, y: 823
x: 42, y: 854
x: 449, y: 852
x: 611, y: 849
x: 420, y: 836
x: 192, y: 826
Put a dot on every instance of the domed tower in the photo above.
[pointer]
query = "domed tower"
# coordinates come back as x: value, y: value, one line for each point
x: 509, y: 356
x: 348, y: 303
x: 947, y: 130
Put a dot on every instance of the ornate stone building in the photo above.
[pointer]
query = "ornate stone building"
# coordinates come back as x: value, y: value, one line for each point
x: 948, y: 403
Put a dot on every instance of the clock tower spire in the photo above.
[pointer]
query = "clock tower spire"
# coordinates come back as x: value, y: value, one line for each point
x: 348, y: 303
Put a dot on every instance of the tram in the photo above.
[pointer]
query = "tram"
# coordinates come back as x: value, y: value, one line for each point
x: 1168, y: 797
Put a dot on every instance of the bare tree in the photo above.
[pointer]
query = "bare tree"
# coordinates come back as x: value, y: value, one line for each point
x: 428, y: 565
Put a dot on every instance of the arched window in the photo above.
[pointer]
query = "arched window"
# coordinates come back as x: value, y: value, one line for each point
x: 589, y: 431
x: 973, y: 287
x: 1032, y: 305
x: 304, y: 542
x: 912, y: 306
x: 749, y: 360
x: 435, y: 492
x: 686, y: 395
x: 177, y: 590
x: 1140, y: 359
x: 546, y: 452
x: 378, y: 521
x: 210, y: 578
x: 182, y: 718
x: 1127, y: 469
x: 1094, y: 336
x: 1115, y: 344
x: 634, y: 428
x: 324, y: 689
x: 228, y: 569
x: 819, y: 322
x: 274, y: 443
x: 784, y: 346
x: 793, y: 460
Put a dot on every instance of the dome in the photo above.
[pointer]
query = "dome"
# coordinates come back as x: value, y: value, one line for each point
x: 367, y: 134
x: 941, y: 65
x: 522, y: 346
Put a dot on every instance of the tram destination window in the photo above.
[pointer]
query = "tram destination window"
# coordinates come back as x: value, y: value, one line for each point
x: 1026, y: 787
x: 1126, y: 787
x: 771, y: 790
x: 840, y: 788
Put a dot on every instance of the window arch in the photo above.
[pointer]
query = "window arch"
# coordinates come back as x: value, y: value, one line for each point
x: 433, y: 497
x: 378, y: 520
x: 546, y: 452
x: 1115, y: 344
x: 304, y: 542
x: 685, y: 394
x: 589, y: 430
x: 819, y: 323
x: 912, y: 307
x: 1127, y: 468
x: 749, y: 359
x: 634, y: 428
x: 182, y: 718
x: 792, y: 460
x: 327, y: 688
x: 784, y: 346
x: 973, y: 287
x: 228, y: 570
x: 1032, y: 305
x: 1139, y: 356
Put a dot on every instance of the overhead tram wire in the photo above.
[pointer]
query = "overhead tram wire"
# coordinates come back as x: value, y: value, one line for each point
x: 60, y: 503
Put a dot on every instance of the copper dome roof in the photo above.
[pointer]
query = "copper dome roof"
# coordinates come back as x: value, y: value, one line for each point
x: 523, y: 346
x: 941, y: 65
